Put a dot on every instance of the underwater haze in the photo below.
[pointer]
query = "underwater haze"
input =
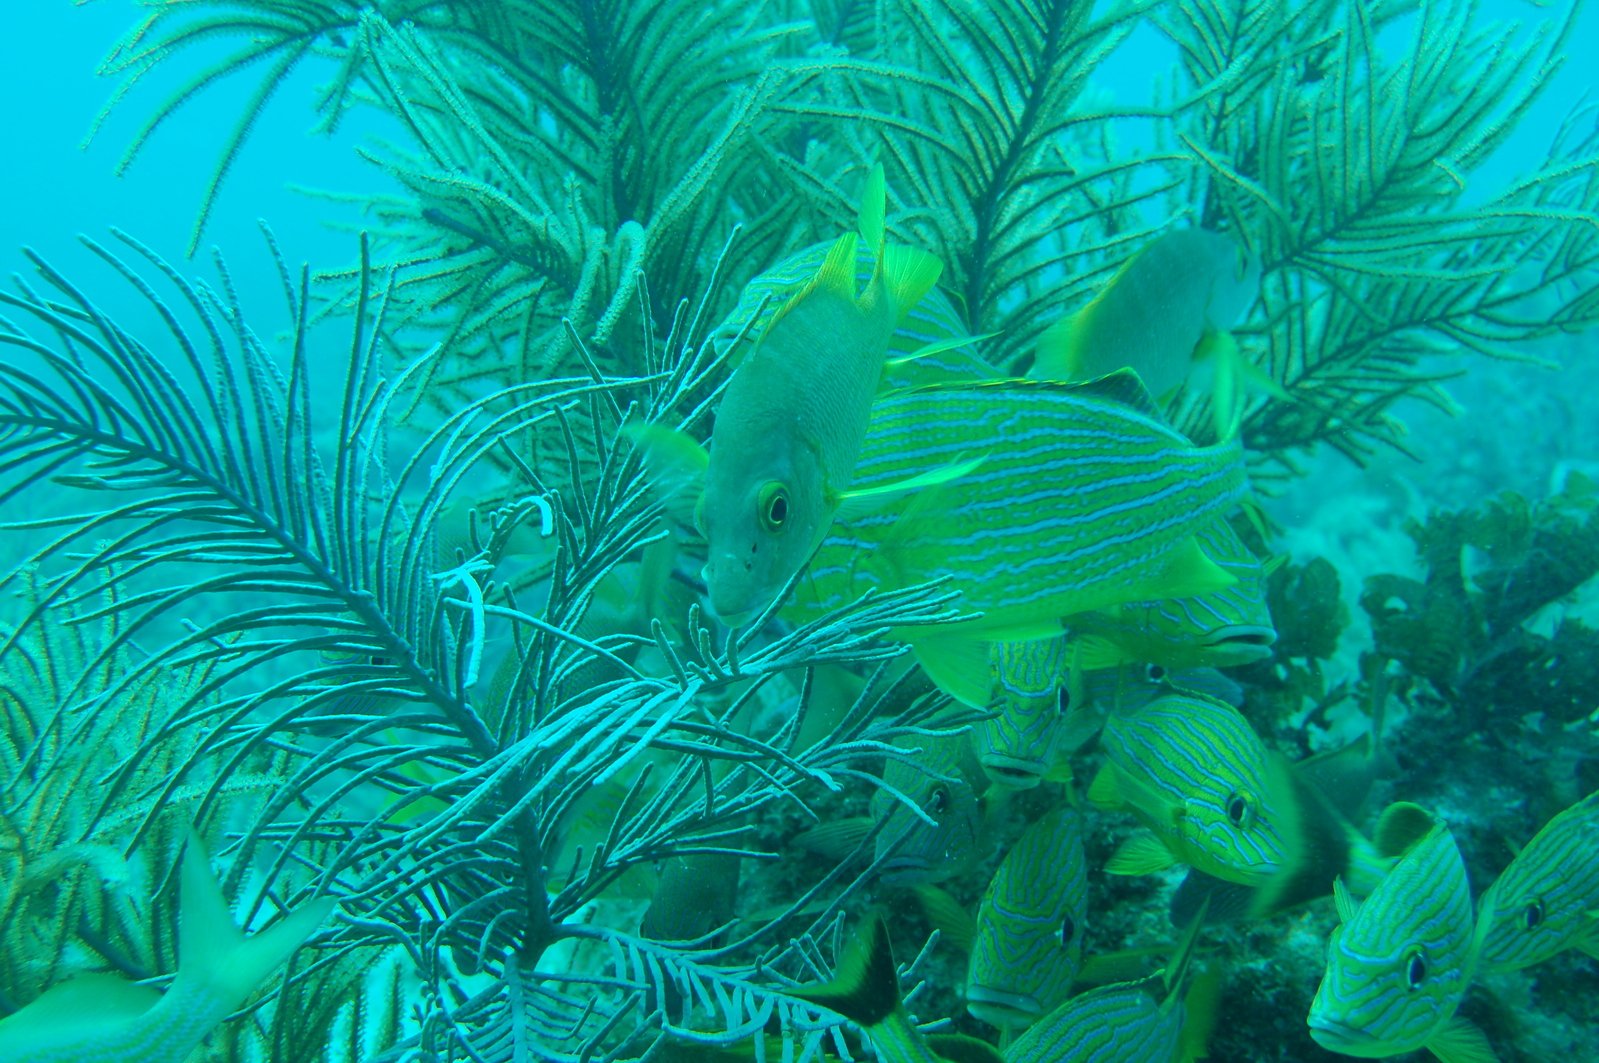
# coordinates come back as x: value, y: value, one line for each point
x: 916, y: 530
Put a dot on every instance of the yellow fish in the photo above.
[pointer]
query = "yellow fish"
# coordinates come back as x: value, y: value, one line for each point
x: 790, y: 425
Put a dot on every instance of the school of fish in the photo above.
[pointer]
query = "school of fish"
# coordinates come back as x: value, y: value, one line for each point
x: 1102, y: 578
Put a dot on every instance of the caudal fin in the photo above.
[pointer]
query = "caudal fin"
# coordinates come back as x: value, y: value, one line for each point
x: 865, y: 989
x: 214, y: 954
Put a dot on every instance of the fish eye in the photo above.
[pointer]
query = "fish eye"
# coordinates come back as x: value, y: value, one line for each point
x: 1241, y: 808
x: 1532, y: 917
x: 938, y: 802
x: 1415, y: 969
x: 1068, y: 930
x: 1154, y: 673
x: 773, y: 505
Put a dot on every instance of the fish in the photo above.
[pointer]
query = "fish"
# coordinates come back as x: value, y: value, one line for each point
x: 790, y: 424
x: 1073, y: 498
x: 1327, y: 793
x: 912, y: 849
x: 1036, y: 711
x: 104, y: 1017
x: 930, y: 345
x: 1547, y: 900
x: 1221, y: 629
x: 1029, y: 939
x: 1198, y: 776
x: 1399, y: 963
x: 865, y: 990
x: 1162, y: 1019
x: 1164, y: 312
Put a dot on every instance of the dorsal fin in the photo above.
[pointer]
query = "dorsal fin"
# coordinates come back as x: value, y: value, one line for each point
x: 1400, y: 827
x: 837, y: 273
x: 1126, y: 387
x: 872, y: 218
x: 1123, y: 387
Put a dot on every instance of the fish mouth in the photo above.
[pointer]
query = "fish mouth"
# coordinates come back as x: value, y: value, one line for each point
x: 1337, y: 1036
x: 1002, y: 1008
x: 1243, y: 643
x: 904, y: 871
x: 1013, y: 772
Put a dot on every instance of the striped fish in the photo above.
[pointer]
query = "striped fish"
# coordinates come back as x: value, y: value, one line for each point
x: 1040, y: 714
x: 1198, y: 776
x: 1400, y: 962
x: 1547, y: 900
x: 1221, y: 629
x: 1084, y: 499
x: 1029, y: 940
x: 1127, y: 1022
x: 912, y: 850
x: 931, y: 344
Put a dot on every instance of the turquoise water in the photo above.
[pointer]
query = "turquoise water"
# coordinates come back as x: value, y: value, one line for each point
x: 373, y: 578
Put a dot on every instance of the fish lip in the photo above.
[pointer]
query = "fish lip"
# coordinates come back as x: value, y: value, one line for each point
x: 900, y: 870
x: 1338, y: 1036
x: 992, y: 1004
x: 1014, y: 772
x: 1248, y: 642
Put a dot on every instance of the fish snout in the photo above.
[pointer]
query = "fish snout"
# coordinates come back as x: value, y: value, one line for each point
x: 732, y: 600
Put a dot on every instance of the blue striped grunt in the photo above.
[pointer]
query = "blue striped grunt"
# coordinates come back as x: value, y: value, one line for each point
x: 1083, y: 499
x: 1029, y: 941
x: 790, y: 424
x: 1198, y: 776
x: 1547, y: 900
x: 912, y: 849
x: 1400, y: 962
x: 1221, y: 629
x: 1161, y: 1019
x: 1038, y: 714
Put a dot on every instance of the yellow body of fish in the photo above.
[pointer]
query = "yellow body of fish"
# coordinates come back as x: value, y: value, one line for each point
x: 789, y: 428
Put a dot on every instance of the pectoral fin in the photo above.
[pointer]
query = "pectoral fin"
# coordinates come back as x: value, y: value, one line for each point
x: 854, y: 503
x: 959, y: 667
x: 675, y: 463
x: 1461, y: 1042
x: 1142, y: 854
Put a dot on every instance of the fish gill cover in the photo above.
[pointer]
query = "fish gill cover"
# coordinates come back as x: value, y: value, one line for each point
x: 387, y: 596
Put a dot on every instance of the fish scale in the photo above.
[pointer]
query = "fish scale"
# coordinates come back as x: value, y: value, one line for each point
x: 1125, y: 490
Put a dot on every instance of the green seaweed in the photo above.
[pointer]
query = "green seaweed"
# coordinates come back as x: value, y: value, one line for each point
x: 1464, y: 627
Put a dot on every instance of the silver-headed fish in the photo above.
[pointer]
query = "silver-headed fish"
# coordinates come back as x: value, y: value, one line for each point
x: 1198, y: 776
x: 1547, y: 900
x: 100, y: 1017
x: 1077, y: 497
x: 1161, y: 1019
x: 1400, y: 962
x: 929, y: 346
x: 1029, y: 939
x: 1165, y: 314
x: 1221, y: 629
x: 790, y: 424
